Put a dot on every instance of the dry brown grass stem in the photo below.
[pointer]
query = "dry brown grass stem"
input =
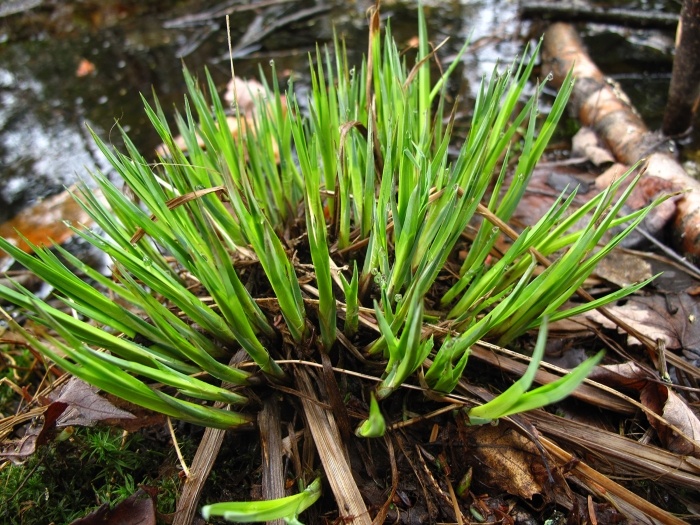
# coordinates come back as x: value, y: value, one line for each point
x: 609, y: 489
x: 332, y: 453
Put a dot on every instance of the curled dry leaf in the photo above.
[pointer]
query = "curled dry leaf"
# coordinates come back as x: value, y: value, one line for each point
x: 511, y: 462
x: 662, y: 400
x: 678, y: 414
x: 41, y: 430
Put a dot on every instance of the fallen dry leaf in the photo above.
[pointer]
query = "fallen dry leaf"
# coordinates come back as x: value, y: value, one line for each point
x: 677, y: 413
x: 44, y: 222
x: 511, y: 462
x: 674, y: 318
x: 623, y: 269
x: 85, y: 407
x: 546, y: 185
x: 40, y: 431
x: 137, y: 509
x: 662, y: 400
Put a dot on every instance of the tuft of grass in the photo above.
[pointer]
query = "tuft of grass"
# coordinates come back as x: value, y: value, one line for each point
x: 341, y: 218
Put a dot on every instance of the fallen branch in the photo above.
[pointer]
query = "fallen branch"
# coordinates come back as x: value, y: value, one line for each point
x: 575, y: 11
x: 600, y: 104
x: 685, y: 81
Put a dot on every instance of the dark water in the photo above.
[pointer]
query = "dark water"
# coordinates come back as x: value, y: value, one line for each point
x: 130, y: 47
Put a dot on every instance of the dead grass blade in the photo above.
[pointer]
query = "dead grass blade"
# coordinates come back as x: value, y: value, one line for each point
x: 611, y: 489
x: 332, y: 453
x: 626, y: 455
x: 271, y: 443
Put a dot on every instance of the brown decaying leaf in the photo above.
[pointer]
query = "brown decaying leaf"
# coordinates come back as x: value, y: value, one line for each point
x: 661, y: 400
x: 76, y: 403
x: 137, y: 509
x: 44, y: 222
x: 85, y: 407
x: 546, y: 184
x: 623, y: 269
x: 674, y: 318
x: 673, y: 408
x: 40, y: 431
x: 512, y: 462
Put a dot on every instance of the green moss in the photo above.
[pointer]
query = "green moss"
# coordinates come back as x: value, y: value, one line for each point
x: 67, y: 480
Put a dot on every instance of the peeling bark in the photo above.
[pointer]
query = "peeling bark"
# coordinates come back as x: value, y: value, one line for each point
x: 602, y: 105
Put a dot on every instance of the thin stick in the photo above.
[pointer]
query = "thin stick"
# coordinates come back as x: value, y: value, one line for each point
x: 230, y: 56
x: 180, y: 457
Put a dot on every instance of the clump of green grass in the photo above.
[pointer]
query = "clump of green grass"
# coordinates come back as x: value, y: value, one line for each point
x: 308, y: 227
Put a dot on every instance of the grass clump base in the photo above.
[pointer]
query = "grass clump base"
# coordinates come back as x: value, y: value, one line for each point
x: 324, y: 238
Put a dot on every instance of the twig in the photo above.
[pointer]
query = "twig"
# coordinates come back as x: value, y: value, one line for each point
x: 177, y: 448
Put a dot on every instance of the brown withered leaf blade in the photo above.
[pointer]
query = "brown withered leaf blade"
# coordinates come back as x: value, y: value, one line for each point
x: 137, y: 509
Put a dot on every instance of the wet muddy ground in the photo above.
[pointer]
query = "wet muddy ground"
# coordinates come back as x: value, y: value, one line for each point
x: 67, y: 66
